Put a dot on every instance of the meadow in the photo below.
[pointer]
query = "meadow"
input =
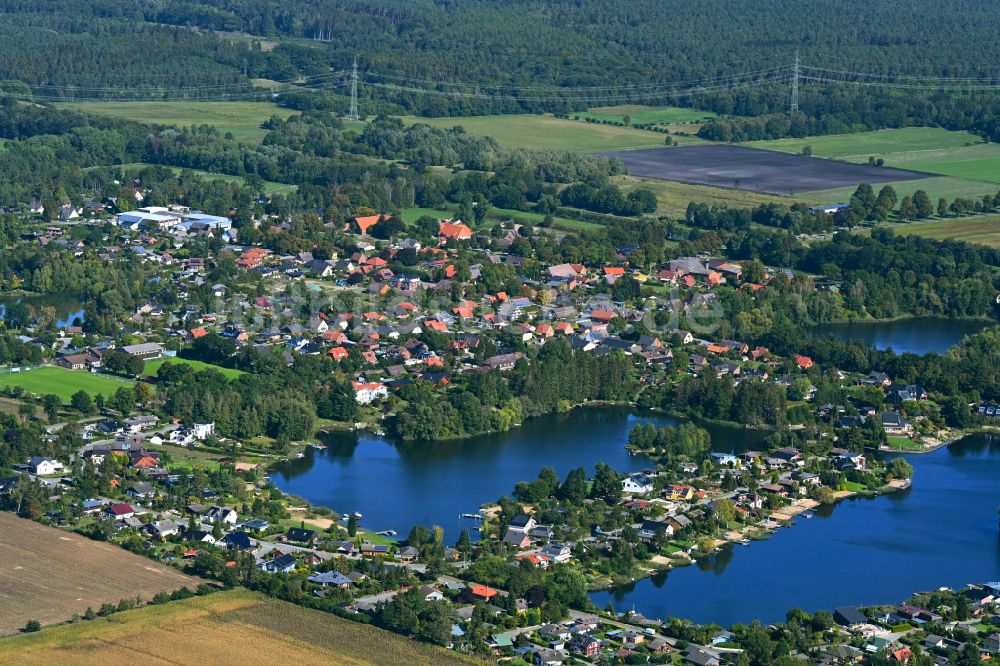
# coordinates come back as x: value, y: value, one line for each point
x: 226, y: 628
x: 892, y: 144
x: 542, y: 132
x: 152, y: 366
x: 48, y: 575
x: 984, y: 230
x: 969, y: 167
x: 243, y: 119
x: 63, y: 383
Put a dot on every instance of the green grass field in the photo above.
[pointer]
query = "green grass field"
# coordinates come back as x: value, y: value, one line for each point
x: 940, y: 186
x: 63, y: 383
x: 973, y: 167
x: 243, y: 119
x: 968, y: 167
x: 857, y: 147
x: 152, y: 366
x: 548, y: 132
x: 904, y: 444
x: 645, y: 115
x: 984, y: 230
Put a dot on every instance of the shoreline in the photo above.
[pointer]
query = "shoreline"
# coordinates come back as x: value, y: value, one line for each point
x: 763, y: 532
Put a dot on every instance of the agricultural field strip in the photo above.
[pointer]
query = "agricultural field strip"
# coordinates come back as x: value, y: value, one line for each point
x: 48, y: 575
x: 185, y: 631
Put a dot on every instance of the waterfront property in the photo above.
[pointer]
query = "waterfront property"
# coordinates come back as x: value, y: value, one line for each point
x: 869, y: 551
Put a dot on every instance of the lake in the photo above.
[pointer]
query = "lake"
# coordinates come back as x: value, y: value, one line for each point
x: 395, y: 485
x: 398, y: 485
x: 917, y: 335
x: 942, y: 531
x: 68, y: 308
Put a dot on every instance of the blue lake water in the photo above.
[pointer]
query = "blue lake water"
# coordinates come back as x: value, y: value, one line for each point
x: 396, y: 486
x: 942, y: 531
x: 917, y: 335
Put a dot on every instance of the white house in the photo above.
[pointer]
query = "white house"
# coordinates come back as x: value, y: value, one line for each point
x: 637, y: 484
x: 557, y: 552
x: 45, y: 466
x: 203, y: 430
x: 221, y: 514
x: 368, y: 392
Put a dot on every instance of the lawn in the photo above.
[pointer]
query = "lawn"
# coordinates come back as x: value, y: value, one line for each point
x: 227, y: 628
x: 547, y: 132
x: 48, y: 575
x: 674, y: 197
x: 152, y: 366
x: 64, y: 383
x: 647, y: 115
x: 904, y: 444
x: 243, y: 119
x: 984, y: 230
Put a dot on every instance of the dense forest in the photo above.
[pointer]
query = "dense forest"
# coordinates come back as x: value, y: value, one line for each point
x: 472, y: 57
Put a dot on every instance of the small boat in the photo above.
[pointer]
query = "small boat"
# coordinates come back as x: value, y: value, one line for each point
x: 807, y: 515
x: 387, y: 533
x: 472, y: 516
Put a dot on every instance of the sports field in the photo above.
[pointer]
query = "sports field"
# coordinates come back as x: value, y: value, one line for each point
x: 235, y: 628
x: 547, y: 132
x: 640, y: 114
x: 63, y: 383
x: 152, y: 366
x: 243, y: 119
x: 48, y: 575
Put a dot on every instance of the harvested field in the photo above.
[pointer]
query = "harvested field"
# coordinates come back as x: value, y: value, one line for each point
x: 763, y: 171
x: 235, y: 628
x: 48, y: 575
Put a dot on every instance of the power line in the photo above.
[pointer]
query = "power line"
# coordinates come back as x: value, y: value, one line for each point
x: 795, y: 84
x: 353, y: 113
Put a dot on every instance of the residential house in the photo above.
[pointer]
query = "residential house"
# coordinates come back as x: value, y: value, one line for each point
x: 637, y: 484
x: 45, y: 466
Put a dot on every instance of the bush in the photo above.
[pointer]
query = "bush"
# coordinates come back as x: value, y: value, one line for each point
x: 32, y: 627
